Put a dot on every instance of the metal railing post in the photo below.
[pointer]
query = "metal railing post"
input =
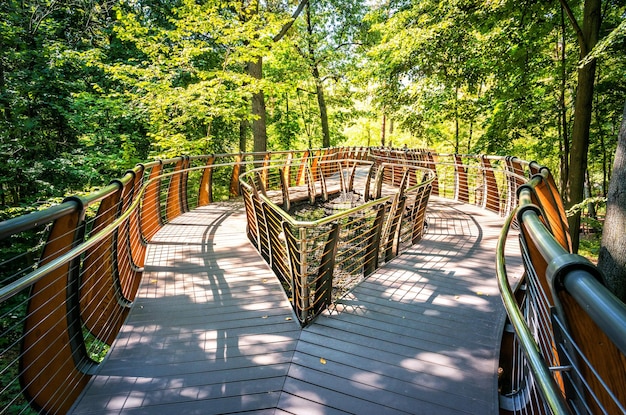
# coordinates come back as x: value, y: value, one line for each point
x: 491, y: 198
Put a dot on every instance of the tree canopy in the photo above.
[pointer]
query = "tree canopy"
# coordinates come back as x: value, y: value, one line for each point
x: 88, y: 88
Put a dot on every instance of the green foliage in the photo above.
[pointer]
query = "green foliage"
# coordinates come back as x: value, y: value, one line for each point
x: 96, y: 349
x: 590, y: 201
x: 88, y: 90
x: 590, y: 246
x: 191, y: 71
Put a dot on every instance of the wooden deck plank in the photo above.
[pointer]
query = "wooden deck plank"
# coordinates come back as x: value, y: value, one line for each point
x: 421, y: 372
x: 296, y: 404
x: 376, y: 393
x: 331, y: 396
x: 212, y: 331
x: 446, y: 284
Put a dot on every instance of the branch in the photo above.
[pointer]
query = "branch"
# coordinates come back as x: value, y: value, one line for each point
x: 304, y: 90
x: 332, y: 76
x: 570, y: 15
x: 599, y: 49
x: 288, y: 25
x: 348, y: 44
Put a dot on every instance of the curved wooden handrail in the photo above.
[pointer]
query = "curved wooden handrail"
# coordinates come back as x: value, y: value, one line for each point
x: 578, y: 357
x: 91, y: 264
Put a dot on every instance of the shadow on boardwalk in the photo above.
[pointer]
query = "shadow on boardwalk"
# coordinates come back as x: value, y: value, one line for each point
x: 212, y: 332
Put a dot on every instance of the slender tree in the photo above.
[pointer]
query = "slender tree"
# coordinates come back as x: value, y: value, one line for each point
x: 255, y: 70
x: 319, y: 87
x: 587, y: 34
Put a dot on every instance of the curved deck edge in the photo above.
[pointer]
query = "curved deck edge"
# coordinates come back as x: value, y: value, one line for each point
x: 212, y: 331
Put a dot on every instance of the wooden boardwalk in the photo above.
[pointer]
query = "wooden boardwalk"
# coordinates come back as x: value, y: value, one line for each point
x: 212, y: 331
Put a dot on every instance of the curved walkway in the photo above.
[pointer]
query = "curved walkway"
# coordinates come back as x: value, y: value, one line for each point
x: 212, y: 332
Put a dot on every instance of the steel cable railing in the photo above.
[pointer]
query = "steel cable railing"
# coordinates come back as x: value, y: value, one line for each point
x: 64, y: 297
x: 333, y: 223
x: 570, y: 329
x: 70, y: 272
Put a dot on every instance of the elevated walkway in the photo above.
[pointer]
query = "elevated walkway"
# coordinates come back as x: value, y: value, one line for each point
x: 212, y: 331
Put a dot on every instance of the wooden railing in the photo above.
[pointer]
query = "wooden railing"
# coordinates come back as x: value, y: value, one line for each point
x: 70, y: 272
x: 66, y: 291
x: 330, y: 223
x: 569, y: 348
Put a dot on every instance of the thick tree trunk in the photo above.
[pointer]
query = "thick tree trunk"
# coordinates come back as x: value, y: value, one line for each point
x: 612, y: 258
x: 255, y: 70
x: 321, y: 101
x: 580, y: 145
x: 587, y: 38
x: 563, y: 133
x: 259, y: 123
x: 319, y: 88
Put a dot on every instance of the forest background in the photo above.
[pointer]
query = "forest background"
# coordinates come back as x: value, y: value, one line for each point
x: 89, y: 88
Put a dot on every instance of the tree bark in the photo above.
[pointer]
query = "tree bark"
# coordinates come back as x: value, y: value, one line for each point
x: 255, y: 70
x: 243, y: 135
x: 319, y: 87
x: 383, y: 131
x: 587, y: 39
x: 259, y: 123
x: 564, y: 143
x: 612, y: 257
x: 321, y: 101
x: 580, y: 146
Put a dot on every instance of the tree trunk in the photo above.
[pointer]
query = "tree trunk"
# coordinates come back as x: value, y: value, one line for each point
x: 591, y: 207
x: 612, y: 257
x: 580, y: 146
x: 588, y: 37
x: 259, y: 123
x: 323, y: 110
x: 564, y: 140
x: 603, y: 149
x: 243, y: 135
x: 383, y: 131
x: 319, y: 88
x: 456, y: 121
x: 255, y: 70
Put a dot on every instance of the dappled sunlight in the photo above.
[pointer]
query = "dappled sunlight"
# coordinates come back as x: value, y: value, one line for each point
x: 208, y: 324
x: 183, y: 326
x: 434, y: 363
x: 265, y: 338
x: 453, y: 300
x: 306, y: 402
x: 265, y: 305
x: 369, y: 378
x: 267, y: 359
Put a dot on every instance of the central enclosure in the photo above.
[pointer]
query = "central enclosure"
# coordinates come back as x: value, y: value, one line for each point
x: 325, y: 225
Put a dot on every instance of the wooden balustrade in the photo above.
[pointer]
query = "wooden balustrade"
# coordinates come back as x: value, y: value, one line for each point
x: 90, y: 268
